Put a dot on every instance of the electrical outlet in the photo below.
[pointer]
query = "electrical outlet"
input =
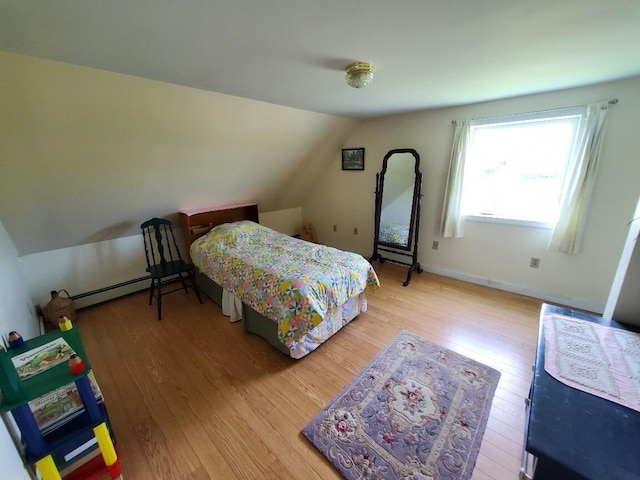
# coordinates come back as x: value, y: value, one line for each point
x: 535, y: 262
x: 434, y: 245
x: 355, y: 230
x: 335, y: 228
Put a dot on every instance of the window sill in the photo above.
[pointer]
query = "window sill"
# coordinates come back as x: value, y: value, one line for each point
x: 509, y: 221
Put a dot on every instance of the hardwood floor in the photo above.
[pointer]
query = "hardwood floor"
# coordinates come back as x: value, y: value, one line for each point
x: 194, y: 397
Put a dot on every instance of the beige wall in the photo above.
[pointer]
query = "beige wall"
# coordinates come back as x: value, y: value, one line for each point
x: 493, y: 254
x: 88, y: 155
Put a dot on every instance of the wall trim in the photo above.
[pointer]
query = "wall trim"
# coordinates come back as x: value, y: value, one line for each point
x: 578, y: 303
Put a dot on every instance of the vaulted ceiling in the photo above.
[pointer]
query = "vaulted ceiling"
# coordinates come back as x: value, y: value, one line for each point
x: 426, y: 53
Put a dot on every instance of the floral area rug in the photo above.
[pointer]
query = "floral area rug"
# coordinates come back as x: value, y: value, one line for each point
x: 417, y: 411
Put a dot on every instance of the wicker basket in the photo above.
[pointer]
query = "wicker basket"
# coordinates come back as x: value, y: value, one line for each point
x: 59, y: 306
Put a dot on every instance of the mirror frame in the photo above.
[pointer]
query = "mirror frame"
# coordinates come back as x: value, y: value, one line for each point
x: 411, y: 249
x: 414, y: 203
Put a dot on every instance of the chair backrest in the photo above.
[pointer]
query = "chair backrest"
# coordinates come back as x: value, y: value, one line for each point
x: 160, y: 244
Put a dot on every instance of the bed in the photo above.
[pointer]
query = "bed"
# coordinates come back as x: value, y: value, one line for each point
x: 293, y: 293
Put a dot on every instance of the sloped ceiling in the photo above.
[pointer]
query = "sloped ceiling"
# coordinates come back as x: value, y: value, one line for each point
x: 87, y: 155
x: 426, y: 53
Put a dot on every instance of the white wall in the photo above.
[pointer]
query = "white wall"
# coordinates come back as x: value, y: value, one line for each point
x: 86, y: 268
x: 16, y: 313
x: 98, y: 265
x: 287, y: 221
x: 493, y: 254
x: 623, y: 303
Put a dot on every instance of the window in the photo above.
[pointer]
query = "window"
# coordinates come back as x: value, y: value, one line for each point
x: 515, y: 166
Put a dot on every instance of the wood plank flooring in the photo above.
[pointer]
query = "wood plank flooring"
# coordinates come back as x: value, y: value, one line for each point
x: 194, y: 397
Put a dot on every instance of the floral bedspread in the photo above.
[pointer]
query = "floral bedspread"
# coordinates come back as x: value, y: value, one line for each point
x: 288, y: 280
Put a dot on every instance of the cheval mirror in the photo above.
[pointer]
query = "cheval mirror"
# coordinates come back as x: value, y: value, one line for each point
x: 397, y: 212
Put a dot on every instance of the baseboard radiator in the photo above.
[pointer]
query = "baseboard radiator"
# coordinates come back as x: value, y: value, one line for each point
x: 110, y: 287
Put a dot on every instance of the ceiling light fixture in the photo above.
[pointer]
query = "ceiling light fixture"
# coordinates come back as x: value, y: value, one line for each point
x: 359, y: 74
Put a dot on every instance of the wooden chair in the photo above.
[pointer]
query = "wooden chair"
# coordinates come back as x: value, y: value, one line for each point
x: 164, y: 260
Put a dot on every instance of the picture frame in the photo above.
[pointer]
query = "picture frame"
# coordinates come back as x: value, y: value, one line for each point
x: 353, y: 159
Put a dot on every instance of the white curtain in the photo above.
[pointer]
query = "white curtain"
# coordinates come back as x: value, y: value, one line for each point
x: 568, y: 233
x: 452, y: 221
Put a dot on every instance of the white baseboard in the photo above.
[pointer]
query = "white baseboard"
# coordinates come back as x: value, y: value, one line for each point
x: 548, y: 297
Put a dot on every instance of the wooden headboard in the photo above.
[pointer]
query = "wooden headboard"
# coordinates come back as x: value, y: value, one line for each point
x: 197, y: 222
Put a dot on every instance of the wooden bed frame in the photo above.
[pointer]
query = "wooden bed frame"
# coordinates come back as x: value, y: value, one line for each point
x: 196, y: 223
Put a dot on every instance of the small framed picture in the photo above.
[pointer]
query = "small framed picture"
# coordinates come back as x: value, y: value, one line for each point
x: 353, y: 159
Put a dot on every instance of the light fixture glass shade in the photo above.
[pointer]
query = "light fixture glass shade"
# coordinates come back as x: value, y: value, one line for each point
x: 359, y: 74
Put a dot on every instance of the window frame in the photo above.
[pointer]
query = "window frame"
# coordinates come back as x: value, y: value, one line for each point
x: 576, y: 112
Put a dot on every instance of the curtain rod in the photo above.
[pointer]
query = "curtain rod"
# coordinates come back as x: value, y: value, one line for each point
x: 613, y: 101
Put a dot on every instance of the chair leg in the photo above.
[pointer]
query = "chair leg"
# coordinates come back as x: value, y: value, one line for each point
x: 159, y: 299
x: 184, y: 285
x: 151, y: 287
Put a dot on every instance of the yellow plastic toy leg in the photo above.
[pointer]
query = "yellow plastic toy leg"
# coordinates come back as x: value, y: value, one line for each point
x: 106, y: 446
x: 47, y: 468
